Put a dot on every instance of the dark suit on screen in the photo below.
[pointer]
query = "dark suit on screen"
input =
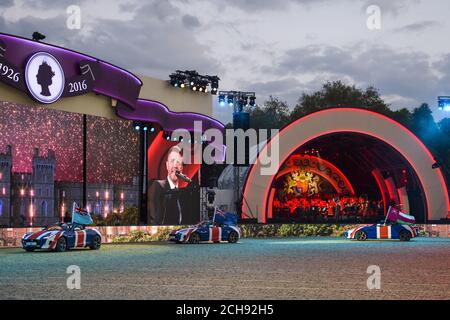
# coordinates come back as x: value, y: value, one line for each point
x: 165, y: 205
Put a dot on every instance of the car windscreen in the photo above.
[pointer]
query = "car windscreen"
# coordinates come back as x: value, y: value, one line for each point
x: 54, y: 228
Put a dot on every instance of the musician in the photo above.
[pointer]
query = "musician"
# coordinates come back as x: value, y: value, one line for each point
x: 169, y: 205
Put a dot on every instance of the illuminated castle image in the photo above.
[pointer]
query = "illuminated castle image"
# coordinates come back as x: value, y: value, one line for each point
x: 36, y: 199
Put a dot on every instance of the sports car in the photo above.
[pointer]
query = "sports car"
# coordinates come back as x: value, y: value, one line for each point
x: 61, y: 237
x: 383, y: 231
x: 207, y: 231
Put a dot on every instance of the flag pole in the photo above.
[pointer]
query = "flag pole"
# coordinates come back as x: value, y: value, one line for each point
x: 73, y: 209
x: 387, y: 214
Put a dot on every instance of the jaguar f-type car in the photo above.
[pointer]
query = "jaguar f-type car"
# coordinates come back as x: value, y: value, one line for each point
x: 206, y: 231
x: 61, y: 237
x: 223, y: 227
x: 383, y: 231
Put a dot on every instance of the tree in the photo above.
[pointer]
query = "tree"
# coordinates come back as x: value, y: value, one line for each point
x: 444, y: 143
x: 423, y: 125
x: 403, y: 116
x: 273, y: 115
x: 444, y: 126
x: 338, y: 94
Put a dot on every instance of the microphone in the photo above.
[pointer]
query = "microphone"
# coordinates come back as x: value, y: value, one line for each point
x: 182, y: 176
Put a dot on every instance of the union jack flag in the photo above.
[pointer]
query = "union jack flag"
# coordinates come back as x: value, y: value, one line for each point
x: 221, y: 216
x: 220, y: 212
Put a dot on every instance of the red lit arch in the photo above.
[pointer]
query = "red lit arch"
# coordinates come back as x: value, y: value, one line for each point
x: 334, y: 120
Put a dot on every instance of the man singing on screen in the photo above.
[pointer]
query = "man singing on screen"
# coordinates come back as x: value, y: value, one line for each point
x: 164, y: 198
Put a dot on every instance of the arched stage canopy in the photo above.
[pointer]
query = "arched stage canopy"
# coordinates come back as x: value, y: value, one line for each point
x: 349, y: 120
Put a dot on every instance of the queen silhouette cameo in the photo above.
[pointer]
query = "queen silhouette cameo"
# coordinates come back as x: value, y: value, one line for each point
x: 44, y: 78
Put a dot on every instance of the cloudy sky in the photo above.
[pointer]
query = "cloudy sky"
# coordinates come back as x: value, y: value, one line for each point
x: 280, y: 48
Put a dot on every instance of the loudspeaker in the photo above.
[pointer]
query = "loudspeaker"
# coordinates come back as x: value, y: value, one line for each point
x: 241, y: 120
x: 209, y: 174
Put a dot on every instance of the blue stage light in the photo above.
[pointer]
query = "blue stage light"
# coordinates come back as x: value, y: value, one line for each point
x: 444, y: 103
x: 221, y: 100
x: 230, y: 100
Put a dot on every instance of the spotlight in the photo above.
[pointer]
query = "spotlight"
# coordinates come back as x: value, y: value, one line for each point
x: 252, y: 101
x: 222, y: 100
x: 37, y: 36
x: 211, y: 196
x: 145, y: 128
x: 137, y: 126
x: 244, y: 101
x: 194, y: 88
x: 230, y: 100
x: 177, y: 79
x: 173, y: 80
x: 152, y: 129
x: 444, y: 103
x: 214, y: 84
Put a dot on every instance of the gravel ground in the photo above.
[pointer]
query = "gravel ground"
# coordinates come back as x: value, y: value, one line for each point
x: 302, y: 268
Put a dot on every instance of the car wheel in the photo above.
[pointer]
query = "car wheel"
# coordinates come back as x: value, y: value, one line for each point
x: 194, y: 238
x: 360, y: 236
x: 404, y: 235
x: 61, y: 246
x: 233, y: 237
x: 96, y: 243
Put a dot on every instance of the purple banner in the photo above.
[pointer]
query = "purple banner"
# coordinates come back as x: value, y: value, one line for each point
x: 99, y: 76
x: 26, y: 63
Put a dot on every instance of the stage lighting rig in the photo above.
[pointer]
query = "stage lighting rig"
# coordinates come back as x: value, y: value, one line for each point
x: 444, y: 103
x: 195, y: 81
x: 214, y: 84
x: 237, y: 99
x: 241, y: 120
x: 138, y: 126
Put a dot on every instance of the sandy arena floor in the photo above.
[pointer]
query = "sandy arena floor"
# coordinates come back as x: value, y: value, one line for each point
x: 303, y: 268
